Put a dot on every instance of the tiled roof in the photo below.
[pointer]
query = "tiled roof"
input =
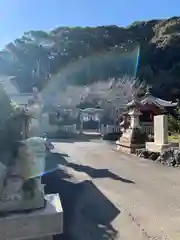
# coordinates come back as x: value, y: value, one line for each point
x: 149, y: 99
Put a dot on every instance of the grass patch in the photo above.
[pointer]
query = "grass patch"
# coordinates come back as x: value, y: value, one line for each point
x: 174, y: 138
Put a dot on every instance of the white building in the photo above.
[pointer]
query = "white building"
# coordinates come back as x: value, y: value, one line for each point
x: 13, y: 92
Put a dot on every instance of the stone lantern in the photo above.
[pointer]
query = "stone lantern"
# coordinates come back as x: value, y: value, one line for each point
x: 133, y: 138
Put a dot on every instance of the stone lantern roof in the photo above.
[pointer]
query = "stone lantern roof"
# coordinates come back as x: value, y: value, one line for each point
x: 135, y: 103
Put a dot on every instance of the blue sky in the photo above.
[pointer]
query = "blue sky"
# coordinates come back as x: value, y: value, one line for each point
x: 18, y: 16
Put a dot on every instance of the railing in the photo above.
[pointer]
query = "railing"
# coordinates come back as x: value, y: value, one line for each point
x: 147, y: 127
x: 69, y: 128
x: 110, y: 129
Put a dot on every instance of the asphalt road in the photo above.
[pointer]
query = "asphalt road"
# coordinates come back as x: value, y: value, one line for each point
x: 137, y: 198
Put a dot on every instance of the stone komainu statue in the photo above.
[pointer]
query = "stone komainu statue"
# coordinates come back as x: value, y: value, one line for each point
x: 20, y: 183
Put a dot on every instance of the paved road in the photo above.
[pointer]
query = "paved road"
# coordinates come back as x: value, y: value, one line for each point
x: 146, y: 194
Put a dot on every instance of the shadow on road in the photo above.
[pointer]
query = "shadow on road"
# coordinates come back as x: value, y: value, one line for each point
x: 56, y: 160
x: 87, y: 212
x: 97, y: 173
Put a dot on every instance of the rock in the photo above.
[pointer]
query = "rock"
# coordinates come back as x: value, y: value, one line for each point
x: 177, y: 157
x: 159, y: 159
x: 173, y: 163
x: 145, y: 154
x: 153, y: 156
x: 167, y: 156
x: 139, y: 152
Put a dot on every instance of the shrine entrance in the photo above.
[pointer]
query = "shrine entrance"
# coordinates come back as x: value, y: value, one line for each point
x: 90, y: 119
x: 91, y: 125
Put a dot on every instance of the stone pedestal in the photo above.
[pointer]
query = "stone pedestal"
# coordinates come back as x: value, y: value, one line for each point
x: 155, y: 147
x: 38, y: 225
x: 36, y: 202
x: 160, y: 143
x: 127, y: 144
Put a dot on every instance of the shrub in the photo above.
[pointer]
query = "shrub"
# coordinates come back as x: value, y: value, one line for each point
x: 11, y: 125
x: 173, y: 124
x: 138, y: 136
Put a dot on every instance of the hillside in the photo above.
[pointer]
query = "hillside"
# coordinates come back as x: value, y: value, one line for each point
x: 85, y: 55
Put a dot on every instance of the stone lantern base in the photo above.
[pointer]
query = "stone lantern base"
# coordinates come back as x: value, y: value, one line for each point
x: 131, y: 140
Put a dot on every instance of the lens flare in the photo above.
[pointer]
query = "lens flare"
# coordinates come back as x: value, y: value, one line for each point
x: 95, y: 66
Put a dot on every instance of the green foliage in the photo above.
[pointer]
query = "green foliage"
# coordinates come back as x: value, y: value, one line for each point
x: 12, y: 120
x: 97, y: 53
x: 173, y: 124
x: 6, y: 106
x: 138, y: 136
